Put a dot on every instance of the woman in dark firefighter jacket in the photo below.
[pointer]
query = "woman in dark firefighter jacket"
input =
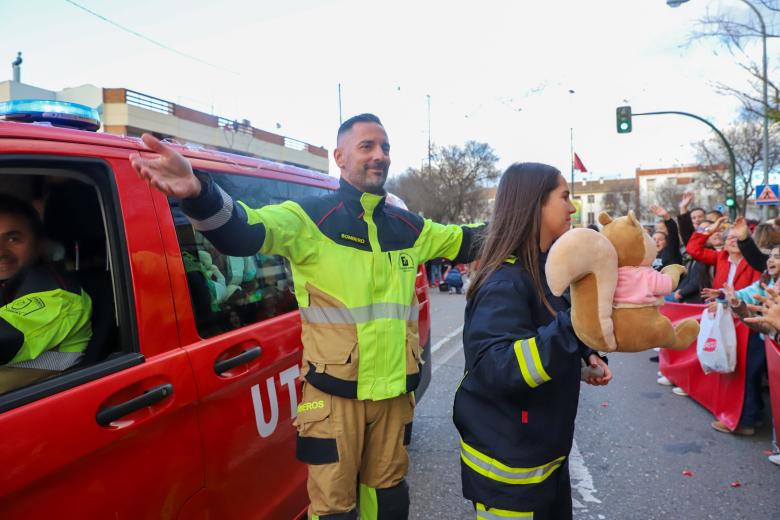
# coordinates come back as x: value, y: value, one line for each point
x: 516, y: 405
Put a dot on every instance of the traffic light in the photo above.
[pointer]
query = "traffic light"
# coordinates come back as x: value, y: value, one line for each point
x: 731, y: 203
x: 623, y: 119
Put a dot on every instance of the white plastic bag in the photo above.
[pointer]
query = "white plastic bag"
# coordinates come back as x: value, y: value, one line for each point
x: 716, y: 345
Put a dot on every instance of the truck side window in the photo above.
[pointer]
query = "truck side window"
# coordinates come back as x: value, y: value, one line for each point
x: 230, y: 292
x: 70, y: 272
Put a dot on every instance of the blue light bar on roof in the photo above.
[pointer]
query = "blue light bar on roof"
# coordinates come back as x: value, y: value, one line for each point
x: 58, y: 113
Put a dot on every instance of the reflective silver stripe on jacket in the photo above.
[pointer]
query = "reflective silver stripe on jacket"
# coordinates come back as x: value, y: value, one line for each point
x: 219, y: 218
x: 396, y: 311
x: 528, y: 357
x: 51, y: 360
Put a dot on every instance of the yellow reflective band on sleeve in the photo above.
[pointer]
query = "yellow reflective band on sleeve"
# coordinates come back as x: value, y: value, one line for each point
x: 530, y: 363
x: 491, y: 513
x: 491, y: 468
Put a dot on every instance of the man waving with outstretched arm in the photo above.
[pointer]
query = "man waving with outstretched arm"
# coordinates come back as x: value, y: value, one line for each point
x: 354, y: 260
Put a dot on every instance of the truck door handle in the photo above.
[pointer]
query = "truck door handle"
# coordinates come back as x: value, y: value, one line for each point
x: 245, y: 357
x: 154, y: 395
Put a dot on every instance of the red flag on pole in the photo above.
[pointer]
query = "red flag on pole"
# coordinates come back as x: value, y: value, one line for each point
x: 578, y: 164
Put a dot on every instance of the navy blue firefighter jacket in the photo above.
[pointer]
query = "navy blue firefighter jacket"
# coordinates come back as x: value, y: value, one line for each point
x: 516, y: 405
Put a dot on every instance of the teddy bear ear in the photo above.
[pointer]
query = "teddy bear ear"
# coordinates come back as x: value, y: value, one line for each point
x: 604, y: 218
x: 632, y: 218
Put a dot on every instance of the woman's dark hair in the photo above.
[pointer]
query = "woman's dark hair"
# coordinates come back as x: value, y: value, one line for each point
x: 515, y: 227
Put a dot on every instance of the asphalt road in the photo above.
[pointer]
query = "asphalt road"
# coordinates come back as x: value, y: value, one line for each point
x: 641, y: 452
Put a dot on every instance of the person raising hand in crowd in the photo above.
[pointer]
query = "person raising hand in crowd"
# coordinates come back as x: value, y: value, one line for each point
x: 689, y: 221
x: 667, y: 243
x: 730, y: 266
x: 755, y: 248
x: 732, y: 269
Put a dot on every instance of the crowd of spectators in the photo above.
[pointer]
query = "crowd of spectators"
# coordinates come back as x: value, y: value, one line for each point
x: 734, y: 264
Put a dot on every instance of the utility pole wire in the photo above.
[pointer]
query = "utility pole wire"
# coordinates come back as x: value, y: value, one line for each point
x: 154, y: 42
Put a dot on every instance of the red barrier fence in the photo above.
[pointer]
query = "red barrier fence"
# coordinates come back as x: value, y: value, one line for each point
x: 721, y: 394
x: 773, y: 364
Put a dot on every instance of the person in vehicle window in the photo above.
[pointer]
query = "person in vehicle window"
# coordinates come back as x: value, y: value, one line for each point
x: 354, y: 261
x: 516, y: 405
x: 45, y: 316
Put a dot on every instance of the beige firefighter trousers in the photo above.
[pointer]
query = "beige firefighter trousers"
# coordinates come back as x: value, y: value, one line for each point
x: 347, y: 442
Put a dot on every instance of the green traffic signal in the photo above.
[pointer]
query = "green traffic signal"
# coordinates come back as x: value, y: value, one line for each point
x: 730, y: 201
x: 623, y: 119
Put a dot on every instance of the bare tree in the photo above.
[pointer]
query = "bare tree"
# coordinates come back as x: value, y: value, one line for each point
x: 734, y: 32
x: 618, y: 203
x: 412, y: 186
x: 667, y: 195
x: 746, y: 141
x: 453, y: 189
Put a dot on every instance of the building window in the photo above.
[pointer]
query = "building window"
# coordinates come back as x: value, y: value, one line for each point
x: 650, y: 186
x: 591, y: 199
x: 591, y: 218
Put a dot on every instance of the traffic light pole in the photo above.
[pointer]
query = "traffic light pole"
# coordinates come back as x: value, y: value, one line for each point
x: 732, y: 159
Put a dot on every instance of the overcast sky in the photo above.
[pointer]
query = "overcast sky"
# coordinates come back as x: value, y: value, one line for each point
x: 496, y: 71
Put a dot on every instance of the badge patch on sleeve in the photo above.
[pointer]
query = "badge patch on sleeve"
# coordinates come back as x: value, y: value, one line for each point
x: 25, y: 306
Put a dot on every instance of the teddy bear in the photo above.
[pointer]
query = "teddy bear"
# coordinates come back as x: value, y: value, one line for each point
x: 615, y: 294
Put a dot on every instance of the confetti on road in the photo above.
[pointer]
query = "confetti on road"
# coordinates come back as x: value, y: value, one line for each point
x: 605, y: 404
x: 736, y: 484
x: 687, y: 473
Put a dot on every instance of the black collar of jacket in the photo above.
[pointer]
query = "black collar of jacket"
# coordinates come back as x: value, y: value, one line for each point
x: 9, y: 286
x: 349, y: 193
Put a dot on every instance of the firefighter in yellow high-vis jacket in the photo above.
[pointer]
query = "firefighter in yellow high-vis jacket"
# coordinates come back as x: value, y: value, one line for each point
x: 45, y: 315
x: 354, y: 260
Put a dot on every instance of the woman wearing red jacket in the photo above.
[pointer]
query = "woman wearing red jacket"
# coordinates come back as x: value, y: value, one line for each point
x: 730, y: 266
x: 732, y: 269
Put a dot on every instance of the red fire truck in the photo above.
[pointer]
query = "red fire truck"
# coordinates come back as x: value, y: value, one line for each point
x: 183, y: 405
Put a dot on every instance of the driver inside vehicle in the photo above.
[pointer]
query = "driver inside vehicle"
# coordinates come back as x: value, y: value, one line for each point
x: 45, y: 317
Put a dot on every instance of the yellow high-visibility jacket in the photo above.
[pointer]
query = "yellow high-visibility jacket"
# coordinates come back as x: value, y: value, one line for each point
x: 354, y: 263
x: 45, y: 320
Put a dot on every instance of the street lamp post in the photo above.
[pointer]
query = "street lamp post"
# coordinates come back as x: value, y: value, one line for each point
x: 677, y: 3
x: 766, y: 101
